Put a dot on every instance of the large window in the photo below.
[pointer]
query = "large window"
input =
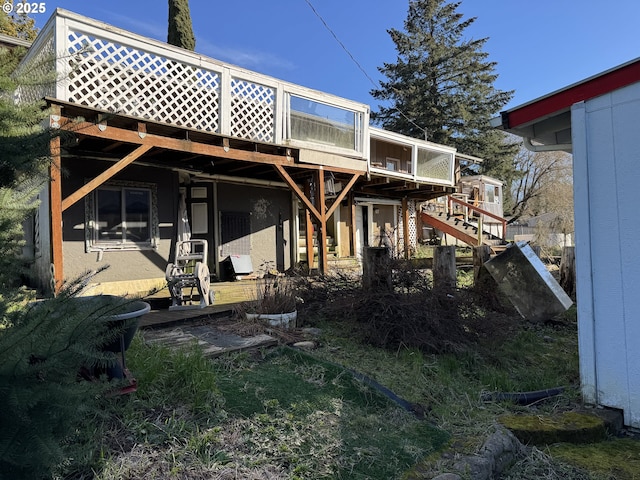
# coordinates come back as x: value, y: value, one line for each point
x: 324, y: 124
x: 122, y: 216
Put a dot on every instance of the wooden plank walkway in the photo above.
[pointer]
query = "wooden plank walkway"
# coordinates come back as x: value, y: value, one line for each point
x: 182, y: 327
x: 213, y: 341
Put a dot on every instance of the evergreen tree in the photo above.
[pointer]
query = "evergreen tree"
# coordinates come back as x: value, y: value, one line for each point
x: 441, y: 86
x: 42, y: 396
x: 23, y: 168
x: 42, y: 348
x: 180, y: 28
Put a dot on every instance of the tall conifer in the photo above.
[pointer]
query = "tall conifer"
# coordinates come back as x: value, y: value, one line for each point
x: 441, y: 85
x: 180, y: 27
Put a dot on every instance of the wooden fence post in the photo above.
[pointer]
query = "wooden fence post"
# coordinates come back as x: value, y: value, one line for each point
x: 444, y: 267
x: 568, y: 271
x: 376, y: 269
x: 481, y: 254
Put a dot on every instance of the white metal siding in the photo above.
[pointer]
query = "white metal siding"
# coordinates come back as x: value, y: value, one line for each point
x: 606, y: 179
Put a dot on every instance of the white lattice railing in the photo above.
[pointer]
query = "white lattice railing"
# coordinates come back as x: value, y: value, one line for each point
x: 430, y: 162
x: 117, y: 71
x: 38, y: 73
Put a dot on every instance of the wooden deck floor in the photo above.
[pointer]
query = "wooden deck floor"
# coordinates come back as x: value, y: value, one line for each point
x: 228, y: 295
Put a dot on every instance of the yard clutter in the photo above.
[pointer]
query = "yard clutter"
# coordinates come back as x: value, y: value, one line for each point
x: 190, y: 272
x: 525, y: 281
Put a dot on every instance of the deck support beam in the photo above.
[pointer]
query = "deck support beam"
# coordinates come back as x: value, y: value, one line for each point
x: 309, y: 230
x: 320, y: 213
x: 352, y: 228
x: 323, y: 265
x: 90, y: 186
x: 139, y: 137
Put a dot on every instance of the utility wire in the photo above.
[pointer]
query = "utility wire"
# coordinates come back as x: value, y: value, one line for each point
x: 353, y: 59
x: 341, y: 44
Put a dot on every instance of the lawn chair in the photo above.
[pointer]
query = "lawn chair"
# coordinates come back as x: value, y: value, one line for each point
x: 190, y: 274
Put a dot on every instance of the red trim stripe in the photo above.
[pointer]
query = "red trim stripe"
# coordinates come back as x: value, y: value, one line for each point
x: 562, y: 100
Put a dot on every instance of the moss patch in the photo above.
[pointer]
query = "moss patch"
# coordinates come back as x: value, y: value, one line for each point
x: 616, y: 458
x: 571, y: 427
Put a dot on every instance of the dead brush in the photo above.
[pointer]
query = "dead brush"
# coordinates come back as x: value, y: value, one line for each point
x: 327, y: 297
x: 272, y: 294
x: 428, y: 319
x: 411, y: 313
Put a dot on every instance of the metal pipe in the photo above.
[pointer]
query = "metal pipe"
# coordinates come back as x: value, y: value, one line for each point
x: 237, y: 180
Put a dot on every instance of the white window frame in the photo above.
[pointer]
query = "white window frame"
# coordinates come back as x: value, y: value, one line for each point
x: 394, y: 162
x: 92, y: 241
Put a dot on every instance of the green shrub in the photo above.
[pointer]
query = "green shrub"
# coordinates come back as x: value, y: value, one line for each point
x: 42, y: 395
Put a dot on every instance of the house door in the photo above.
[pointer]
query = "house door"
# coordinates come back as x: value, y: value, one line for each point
x: 200, y: 211
x: 362, y: 229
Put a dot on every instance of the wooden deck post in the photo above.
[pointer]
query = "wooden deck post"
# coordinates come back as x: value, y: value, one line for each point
x: 353, y: 239
x: 444, y: 267
x: 568, y: 271
x: 323, y: 265
x: 55, y: 194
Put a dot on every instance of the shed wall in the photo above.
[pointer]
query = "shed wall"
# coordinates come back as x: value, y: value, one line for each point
x: 606, y: 179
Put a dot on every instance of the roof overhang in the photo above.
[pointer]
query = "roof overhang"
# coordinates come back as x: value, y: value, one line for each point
x: 547, y: 120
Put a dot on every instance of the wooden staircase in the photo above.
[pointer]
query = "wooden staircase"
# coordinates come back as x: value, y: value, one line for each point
x: 464, y: 228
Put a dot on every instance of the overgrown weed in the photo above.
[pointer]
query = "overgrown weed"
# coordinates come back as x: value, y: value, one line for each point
x: 444, y: 349
x: 281, y: 414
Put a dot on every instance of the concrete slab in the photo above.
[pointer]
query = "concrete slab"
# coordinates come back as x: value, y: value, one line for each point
x: 525, y: 281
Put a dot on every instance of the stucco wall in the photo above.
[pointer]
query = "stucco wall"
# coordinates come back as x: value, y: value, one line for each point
x: 270, y: 222
x: 606, y: 179
x: 123, y: 265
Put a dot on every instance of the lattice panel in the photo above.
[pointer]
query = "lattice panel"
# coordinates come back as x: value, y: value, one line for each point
x: 130, y: 81
x: 439, y: 168
x: 252, y: 111
x: 38, y: 75
x: 413, y: 227
x: 400, y: 231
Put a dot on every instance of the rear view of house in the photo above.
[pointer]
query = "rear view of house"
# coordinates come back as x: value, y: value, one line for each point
x: 262, y: 169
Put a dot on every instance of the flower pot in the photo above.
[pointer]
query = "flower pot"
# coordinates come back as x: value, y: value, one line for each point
x: 281, y: 320
x: 127, y: 321
x: 131, y: 318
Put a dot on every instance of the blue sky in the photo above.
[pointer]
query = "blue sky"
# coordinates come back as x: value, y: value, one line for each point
x: 539, y: 46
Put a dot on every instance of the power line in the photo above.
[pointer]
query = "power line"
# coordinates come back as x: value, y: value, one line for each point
x: 341, y: 44
x: 353, y: 59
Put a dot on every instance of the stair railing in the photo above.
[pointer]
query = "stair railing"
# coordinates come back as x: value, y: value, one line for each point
x: 470, y: 207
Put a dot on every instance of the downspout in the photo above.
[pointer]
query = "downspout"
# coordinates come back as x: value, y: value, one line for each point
x: 566, y: 147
